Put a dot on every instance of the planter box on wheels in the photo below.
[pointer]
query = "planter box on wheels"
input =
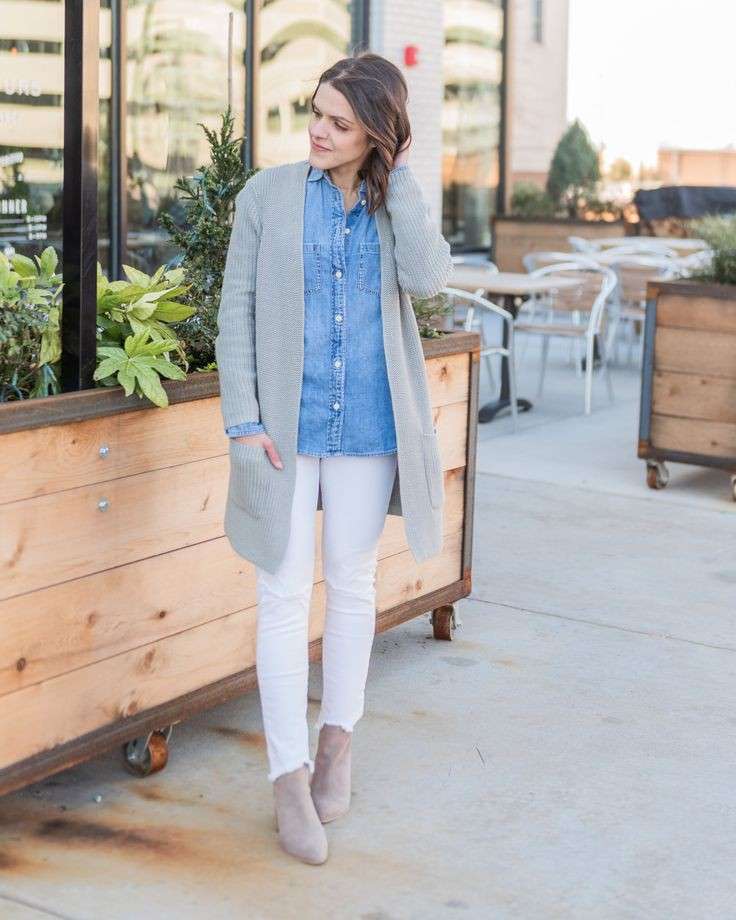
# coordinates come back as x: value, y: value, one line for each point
x: 688, y: 396
x: 123, y: 608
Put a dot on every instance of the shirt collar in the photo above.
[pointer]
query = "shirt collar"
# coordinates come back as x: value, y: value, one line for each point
x: 315, y: 172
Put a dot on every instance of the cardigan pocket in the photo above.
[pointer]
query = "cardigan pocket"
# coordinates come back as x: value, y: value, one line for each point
x: 249, y: 481
x: 433, y: 469
x: 312, y: 268
x: 369, y: 268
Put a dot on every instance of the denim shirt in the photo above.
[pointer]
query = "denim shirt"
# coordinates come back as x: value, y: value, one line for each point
x: 345, y: 406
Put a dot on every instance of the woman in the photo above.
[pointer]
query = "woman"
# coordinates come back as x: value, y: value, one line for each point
x: 324, y: 395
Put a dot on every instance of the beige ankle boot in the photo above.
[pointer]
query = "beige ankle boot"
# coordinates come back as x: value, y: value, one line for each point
x: 300, y: 832
x: 331, y: 779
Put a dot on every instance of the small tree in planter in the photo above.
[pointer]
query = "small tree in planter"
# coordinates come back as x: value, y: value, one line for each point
x: 574, y: 170
x: 203, y: 237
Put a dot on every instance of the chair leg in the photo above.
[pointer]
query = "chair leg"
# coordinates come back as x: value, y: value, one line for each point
x: 543, y: 365
x: 589, y: 374
x: 512, y: 380
x: 603, y: 348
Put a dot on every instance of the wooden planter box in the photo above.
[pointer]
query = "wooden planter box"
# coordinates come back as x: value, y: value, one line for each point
x: 514, y: 237
x: 688, y: 394
x: 123, y: 608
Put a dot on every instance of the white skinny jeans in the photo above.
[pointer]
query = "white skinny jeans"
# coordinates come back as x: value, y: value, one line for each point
x: 355, y: 497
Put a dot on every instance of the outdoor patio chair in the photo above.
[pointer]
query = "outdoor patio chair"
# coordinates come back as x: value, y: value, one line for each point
x: 633, y: 272
x: 585, y: 305
x: 488, y: 351
x: 580, y: 244
x: 641, y: 246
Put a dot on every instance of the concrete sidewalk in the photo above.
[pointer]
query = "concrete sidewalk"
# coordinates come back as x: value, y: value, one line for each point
x: 569, y: 755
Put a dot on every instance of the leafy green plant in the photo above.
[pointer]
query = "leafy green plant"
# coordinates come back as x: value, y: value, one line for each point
x: 29, y: 325
x: 719, y: 232
x: 426, y: 309
x: 203, y: 237
x: 134, y: 336
x: 528, y: 200
x: 574, y: 170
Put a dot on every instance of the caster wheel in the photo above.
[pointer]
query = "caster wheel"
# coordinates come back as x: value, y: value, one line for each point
x: 657, y: 475
x: 443, y: 621
x: 145, y: 756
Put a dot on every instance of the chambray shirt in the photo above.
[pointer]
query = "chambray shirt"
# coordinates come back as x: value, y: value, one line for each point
x: 345, y: 406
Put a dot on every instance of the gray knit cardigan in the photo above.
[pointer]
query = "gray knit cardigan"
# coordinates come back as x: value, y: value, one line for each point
x: 260, y: 353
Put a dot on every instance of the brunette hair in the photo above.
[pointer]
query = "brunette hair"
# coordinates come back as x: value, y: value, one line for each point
x: 377, y: 91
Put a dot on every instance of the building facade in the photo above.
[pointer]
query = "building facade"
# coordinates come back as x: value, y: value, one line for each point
x: 156, y: 69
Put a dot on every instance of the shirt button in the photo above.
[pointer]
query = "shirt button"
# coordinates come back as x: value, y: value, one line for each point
x: 338, y: 274
x: 338, y: 362
x: 336, y: 405
x: 346, y: 230
x: 338, y: 317
x: 363, y: 201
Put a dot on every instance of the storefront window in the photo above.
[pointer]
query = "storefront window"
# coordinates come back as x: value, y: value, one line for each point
x: 297, y: 43
x: 177, y: 76
x: 31, y: 124
x: 471, y: 120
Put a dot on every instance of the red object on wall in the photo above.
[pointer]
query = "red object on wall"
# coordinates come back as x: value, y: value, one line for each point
x: 411, y: 55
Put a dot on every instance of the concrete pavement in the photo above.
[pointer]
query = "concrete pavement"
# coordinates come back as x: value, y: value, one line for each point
x: 569, y: 755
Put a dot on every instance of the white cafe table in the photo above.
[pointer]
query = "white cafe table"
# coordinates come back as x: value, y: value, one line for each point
x: 504, y: 288
x: 686, y: 244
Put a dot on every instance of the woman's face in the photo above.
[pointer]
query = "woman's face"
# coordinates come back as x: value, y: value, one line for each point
x: 334, y: 127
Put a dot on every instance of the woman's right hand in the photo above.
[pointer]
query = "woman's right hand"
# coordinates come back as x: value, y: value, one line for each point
x: 268, y: 446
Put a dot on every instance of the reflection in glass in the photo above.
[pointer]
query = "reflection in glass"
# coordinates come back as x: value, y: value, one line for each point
x: 298, y: 42
x: 31, y: 125
x: 177, y: 76
x: 471, y: 120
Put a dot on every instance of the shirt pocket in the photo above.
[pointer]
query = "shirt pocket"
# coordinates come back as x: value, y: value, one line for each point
x: 312, y: 268
x: 369, y: 268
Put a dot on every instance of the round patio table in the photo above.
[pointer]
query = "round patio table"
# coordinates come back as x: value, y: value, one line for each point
x: 504, y: 288
x: 689, y: 244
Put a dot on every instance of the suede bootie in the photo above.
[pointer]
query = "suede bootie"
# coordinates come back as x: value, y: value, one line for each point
x: 331, y: 778
x: 300, y: 832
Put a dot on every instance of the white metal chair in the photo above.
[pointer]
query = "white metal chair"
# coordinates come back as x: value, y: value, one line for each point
x: 487, y: 351
x: 534, y: 260
x: 632, y: 274
x: 589, y: 297
x: 580, y: 244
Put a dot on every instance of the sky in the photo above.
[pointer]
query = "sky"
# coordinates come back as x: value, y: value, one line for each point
x: 650, y: 73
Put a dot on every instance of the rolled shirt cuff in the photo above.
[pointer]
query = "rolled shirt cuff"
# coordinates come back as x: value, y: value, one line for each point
x: 244, y: 428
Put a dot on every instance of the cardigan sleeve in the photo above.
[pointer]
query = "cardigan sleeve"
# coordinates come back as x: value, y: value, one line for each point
x: 235, y: 340
x: 422, y: 254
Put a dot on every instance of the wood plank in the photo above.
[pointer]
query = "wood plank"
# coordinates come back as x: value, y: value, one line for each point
x: 694, y: 436
x: 41, y: 461
x: 449, y: 379
x: 685, y: 350
x: 67, y: 626
x: 694, y: 396
x: 47, y: 714
x: 54, y: 538
x: 704, y: 314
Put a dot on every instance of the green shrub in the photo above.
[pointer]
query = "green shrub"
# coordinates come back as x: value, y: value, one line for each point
x: 719, y: 232
x: 528, y: 200
x: 30, y: 299
x: 574, y: 170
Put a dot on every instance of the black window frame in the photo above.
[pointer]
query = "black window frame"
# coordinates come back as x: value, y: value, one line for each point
x: 79, y: 194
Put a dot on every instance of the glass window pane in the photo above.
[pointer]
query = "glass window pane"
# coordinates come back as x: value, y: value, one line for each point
x: 297, y: 42
x: 471, y: 120
x: 177, y: 76
x: 31, y: 124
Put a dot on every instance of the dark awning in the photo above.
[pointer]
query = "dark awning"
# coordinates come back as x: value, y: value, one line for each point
x: 684, y: 201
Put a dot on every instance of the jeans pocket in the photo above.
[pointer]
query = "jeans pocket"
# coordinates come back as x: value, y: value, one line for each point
x: 249, y: 479
x: 433, y: 469
x: 312, y: 268
x: 369, y: 268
